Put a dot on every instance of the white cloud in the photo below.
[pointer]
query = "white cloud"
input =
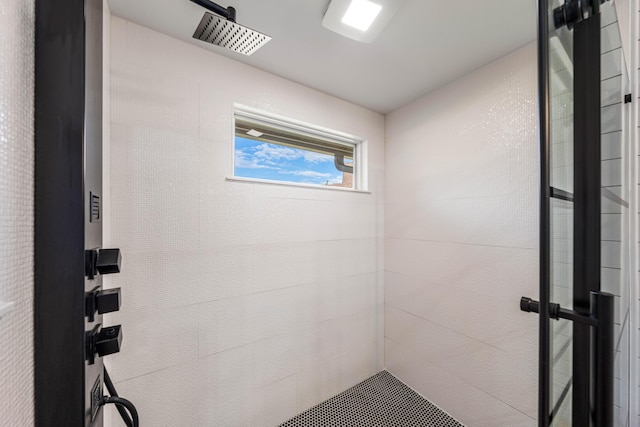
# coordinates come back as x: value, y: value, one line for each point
x: 313, y: 157
x: 274, y: 153
x: 308, y: 174
x: 269, y: 152
x: 247, y: 161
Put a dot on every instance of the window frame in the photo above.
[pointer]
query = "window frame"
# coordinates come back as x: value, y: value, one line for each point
x: 298, y: 127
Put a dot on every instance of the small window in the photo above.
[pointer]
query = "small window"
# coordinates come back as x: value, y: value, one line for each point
x: 274, y: 149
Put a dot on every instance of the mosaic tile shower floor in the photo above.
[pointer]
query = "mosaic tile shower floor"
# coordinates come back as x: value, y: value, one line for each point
x: 380, y: 401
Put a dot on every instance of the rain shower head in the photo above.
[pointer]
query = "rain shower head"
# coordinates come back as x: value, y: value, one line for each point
x: 221, y: 30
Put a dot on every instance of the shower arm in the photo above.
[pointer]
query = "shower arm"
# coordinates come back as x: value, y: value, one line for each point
x: 228, y: 13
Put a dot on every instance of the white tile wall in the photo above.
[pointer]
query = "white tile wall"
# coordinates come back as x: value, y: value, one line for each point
x: 461, y: 244
x: 16, y: 211
x: 615, y: 227
x: 242, y: 303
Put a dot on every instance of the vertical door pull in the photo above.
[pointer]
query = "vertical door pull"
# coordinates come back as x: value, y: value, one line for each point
x: 602, y: 320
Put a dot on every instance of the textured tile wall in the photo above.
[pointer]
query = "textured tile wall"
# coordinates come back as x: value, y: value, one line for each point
x: 16, y: 211
x: 615, y: 218
x: 242, y: 303
x: 461, y: 244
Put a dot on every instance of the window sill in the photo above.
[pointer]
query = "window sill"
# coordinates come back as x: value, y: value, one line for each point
x: 294, y: 184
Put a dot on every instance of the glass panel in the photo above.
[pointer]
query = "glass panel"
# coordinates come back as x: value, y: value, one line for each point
x: 561, y: 107
x: 561, y: 368
x: 562, y: 293
x: 561, y: 74
x: 275, y: 162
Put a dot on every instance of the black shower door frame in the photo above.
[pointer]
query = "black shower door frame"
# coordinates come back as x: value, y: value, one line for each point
x: 586, y: 228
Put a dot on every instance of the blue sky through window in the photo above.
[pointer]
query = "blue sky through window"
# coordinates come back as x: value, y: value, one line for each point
x: 257, y: 159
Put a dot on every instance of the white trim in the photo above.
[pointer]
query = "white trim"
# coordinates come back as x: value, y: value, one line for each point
x: 295, y: 184
x: 5, y: 307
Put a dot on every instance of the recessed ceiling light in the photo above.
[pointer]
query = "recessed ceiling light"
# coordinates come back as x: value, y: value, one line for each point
x: 254, y: 133
x: 361, y: 20
x: 361, y: 14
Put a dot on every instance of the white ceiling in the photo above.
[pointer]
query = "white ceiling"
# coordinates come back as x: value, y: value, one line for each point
x: 427, y: 44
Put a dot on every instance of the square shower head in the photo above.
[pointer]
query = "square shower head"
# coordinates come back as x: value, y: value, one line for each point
x: 225, y: 33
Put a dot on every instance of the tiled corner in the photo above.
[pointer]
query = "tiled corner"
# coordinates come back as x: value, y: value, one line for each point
x: 461, y: 243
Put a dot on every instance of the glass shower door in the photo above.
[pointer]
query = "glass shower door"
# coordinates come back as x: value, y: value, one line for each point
x: 583, y: 212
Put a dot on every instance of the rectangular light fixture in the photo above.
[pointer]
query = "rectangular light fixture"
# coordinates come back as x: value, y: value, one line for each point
x: 361, y: 14
x: 361, y: 20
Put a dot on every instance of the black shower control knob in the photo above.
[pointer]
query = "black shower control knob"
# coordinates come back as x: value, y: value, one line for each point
x: 108, y: 301
x: 102, y: 301
x: 109, y: 261
x: 108, y: 340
